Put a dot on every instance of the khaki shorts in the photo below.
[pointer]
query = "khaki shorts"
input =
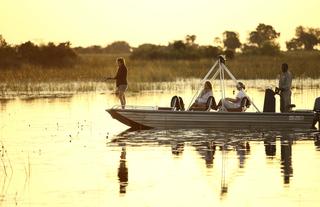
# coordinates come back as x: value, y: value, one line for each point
x: 229, y: 104
x: 121, y: 89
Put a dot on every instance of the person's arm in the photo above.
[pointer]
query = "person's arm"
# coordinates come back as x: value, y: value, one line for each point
x: 204, y: 97
x: 113, y: 78
x: 239, y: 97
x: 234, y: 100
x: 118, y: 74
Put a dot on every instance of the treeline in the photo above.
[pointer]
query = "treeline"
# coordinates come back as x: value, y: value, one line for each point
x: 261, y: 41
x: 47, y: 55
x: 113, y: 48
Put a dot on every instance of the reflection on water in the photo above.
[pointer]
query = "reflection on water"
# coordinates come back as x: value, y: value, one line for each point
x: 243, y: 150
x: 286, y: 162
x: 123, y: 171
x: 230, y: 155
x: 317, y: 141
x: 70, y: 152
x: 270, y: 146
x: 177, y: 147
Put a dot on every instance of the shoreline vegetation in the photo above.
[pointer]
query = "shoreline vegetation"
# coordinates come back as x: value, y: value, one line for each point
x: 53, y: 68
x: 89, y: 73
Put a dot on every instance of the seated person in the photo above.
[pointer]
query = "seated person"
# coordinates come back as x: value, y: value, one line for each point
x: 201, y: 101
x: 233, y: 103
x: 316, y: 109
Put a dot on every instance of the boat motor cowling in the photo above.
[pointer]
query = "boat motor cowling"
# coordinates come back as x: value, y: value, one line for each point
x: 269, y: 101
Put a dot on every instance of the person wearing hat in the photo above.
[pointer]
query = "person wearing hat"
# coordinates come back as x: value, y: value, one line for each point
x: 285, y: 82
x: 233, y: 103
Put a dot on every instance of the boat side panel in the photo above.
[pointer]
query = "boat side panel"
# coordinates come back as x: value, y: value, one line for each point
x: 127, y: 121
x: 165, y: 119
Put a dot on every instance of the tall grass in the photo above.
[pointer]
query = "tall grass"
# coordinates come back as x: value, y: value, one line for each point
x: 91, y: 70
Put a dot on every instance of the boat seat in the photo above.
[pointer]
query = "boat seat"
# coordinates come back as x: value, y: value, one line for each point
x: 245, y: 103
x: 177, y: 103
x: 211, y: 104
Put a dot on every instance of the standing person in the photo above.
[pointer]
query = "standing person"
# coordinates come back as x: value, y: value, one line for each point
x: 285, y: 82
x: 121, y: 81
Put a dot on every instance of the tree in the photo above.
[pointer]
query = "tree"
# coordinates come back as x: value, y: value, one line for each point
x: 210, y: 51
x: 118, y: 47
x: 190, y: 39
x: 29, y: 52
x: 262, y: 41
x: 178, y: 45
x: 8, y: 55
x: 217, y: 41
x: 294, y: 44
x: 231, y: 40
x: 306, y: 38
x: 270, y: 48
x: 3, y: 42
x: 264, y: 33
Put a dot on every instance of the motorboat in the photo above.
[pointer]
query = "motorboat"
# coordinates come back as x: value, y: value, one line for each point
x: 173, y: 117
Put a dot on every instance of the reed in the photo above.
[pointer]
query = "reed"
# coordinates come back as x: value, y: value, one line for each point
x: 90, y: 71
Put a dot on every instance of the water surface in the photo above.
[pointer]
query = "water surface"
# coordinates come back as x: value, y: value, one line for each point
x: 70, y: 152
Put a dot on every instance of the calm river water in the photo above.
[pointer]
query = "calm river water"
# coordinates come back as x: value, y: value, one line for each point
x: 70, y: 152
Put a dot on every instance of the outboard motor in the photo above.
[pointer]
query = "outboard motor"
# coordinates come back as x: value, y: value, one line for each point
x: 269, y: 101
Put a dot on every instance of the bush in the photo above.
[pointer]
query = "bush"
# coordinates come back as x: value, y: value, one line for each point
x: 176, y: 50
x: 229, y: 54
x: 8, y: 57
x: 45, y: 55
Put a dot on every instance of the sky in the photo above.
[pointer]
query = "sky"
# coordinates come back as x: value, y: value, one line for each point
x: 101, y: 22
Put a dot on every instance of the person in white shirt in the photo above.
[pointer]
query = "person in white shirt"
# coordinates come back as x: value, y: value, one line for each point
x: 285, y: 82
x: 202, y: 99
x: 233, y: 103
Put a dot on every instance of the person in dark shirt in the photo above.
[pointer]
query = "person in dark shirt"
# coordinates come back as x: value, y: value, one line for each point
x: 316, y: 109
x: 121, y: 81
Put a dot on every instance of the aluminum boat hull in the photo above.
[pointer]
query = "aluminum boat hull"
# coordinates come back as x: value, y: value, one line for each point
x: 167, y: 119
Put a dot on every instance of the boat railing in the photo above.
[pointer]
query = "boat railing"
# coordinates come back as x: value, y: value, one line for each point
x: 302, y: 111
x: 137, y: 107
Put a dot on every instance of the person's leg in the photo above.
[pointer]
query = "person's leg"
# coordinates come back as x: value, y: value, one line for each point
x: 286, y: 96
x: 117, y: 93
x: 124, y: 102
x: 122, y: 99
x: 289, y: 98
x: 281, y: 103
x: 193, y: 107
x: 288, y: 101
x: 228, y: 104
